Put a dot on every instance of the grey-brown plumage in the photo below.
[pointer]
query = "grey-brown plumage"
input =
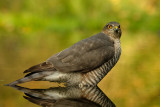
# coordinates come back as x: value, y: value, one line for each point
x: 84, y: 63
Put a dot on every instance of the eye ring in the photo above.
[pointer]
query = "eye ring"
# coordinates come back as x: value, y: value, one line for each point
x: 109, y: 26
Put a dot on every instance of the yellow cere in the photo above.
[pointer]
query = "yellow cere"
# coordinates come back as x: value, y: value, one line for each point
x: 116, y: 27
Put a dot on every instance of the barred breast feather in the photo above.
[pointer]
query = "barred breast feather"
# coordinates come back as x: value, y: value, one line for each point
x: 95, y: 76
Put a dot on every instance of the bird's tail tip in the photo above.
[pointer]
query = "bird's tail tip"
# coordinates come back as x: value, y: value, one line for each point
x: 6, y: 84
x: 32, y: 77
x: 19, y: 81
x: 11, y: 84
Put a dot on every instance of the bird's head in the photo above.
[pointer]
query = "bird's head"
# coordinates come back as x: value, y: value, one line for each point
x: 112, y: 29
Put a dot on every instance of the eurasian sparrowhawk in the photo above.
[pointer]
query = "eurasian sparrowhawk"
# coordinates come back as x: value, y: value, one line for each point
x: 84, y: 63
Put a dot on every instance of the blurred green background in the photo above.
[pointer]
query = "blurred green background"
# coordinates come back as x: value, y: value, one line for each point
x: 33, y: 30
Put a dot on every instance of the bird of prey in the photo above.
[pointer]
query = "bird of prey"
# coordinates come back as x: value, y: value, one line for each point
x: 84, y: 63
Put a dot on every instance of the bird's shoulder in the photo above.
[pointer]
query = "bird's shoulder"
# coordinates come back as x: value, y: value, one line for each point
x: 99, y: 38
x: 94, y: 42
x: 86, y: 54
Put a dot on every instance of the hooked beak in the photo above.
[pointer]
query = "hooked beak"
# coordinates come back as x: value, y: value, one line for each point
x: 116, y: 29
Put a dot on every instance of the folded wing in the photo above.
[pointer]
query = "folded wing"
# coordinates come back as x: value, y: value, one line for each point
x: 83, y: 56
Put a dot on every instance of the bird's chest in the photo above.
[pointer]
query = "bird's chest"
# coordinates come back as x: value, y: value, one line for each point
x: 117, y: 45
x: 95, y: 76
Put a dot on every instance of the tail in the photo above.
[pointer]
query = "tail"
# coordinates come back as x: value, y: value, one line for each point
x: 35, y: 73
x: 32, y: 77
x: 47, y: 66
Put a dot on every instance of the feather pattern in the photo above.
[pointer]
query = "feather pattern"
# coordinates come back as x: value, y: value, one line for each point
x: 93, y: 77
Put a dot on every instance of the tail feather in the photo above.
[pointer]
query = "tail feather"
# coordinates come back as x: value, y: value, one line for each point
x: 40, y: 67
x: 32, y: 77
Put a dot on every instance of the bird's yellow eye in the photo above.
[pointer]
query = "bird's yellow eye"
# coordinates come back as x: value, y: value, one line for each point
x: 109, y: 26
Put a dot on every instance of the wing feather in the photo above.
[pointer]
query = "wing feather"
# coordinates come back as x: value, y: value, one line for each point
x: 83, y: 56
